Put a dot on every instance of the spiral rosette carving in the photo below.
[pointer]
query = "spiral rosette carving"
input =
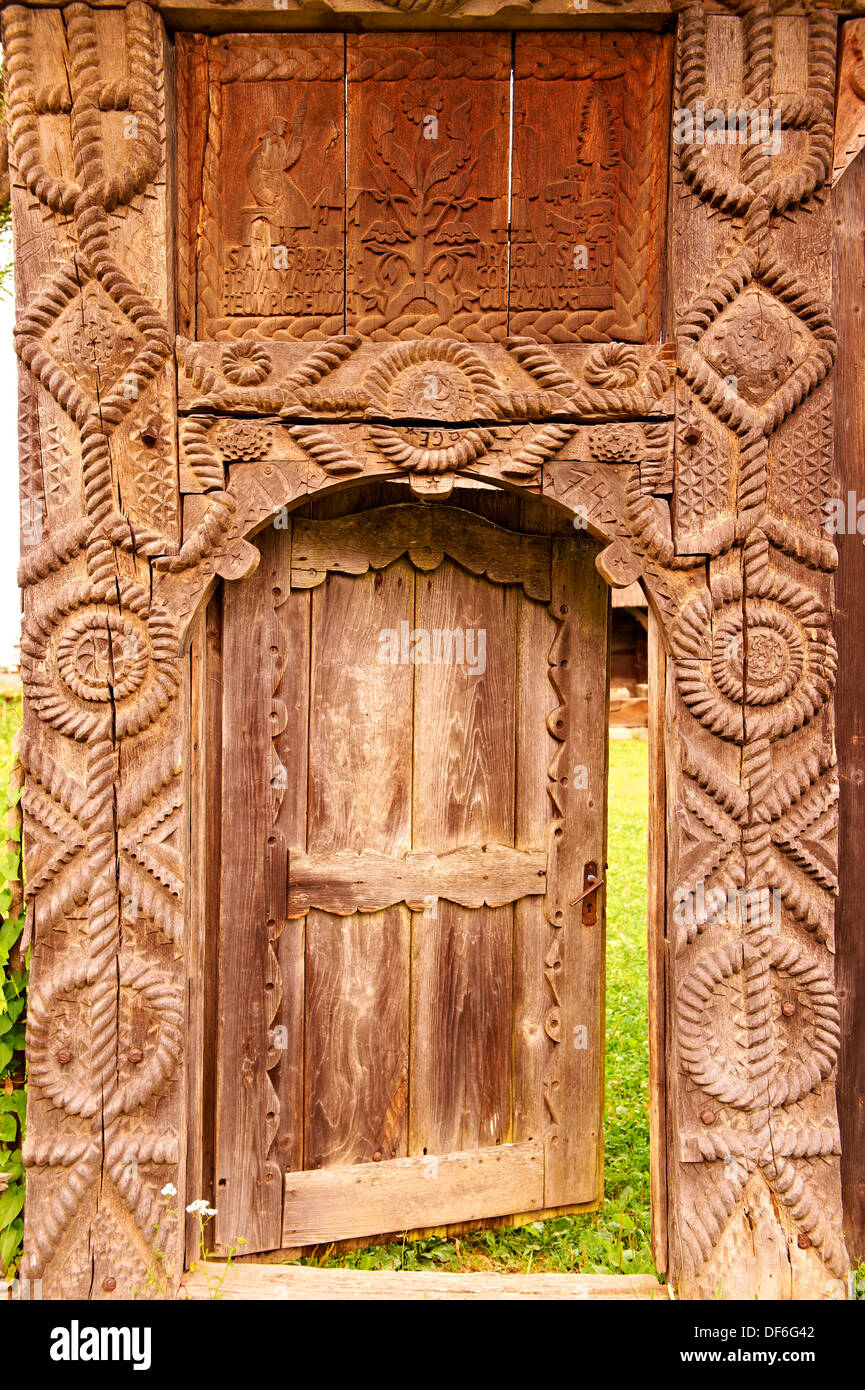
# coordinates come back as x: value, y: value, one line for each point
x: 88, y: 667
x: 762, y: 671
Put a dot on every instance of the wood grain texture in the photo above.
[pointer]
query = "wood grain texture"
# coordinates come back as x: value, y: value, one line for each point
x: 849, y: 288
x: 273, y: 1282
x: 360, y: 746
x: 363, y: 1199
x: 357, y: 1020
x: 463, y: 792
x: 343, y: 883
x: 249, y: 1192
x: 573, y: 1082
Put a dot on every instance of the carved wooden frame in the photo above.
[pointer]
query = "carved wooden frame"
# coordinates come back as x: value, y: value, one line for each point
x: 723, y: 526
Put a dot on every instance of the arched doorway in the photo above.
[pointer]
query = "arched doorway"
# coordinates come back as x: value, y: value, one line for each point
x: 409, y: 972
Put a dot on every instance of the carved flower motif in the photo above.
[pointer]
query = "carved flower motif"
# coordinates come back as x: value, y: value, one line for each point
x: 612, y: 366
x: 242, y: 441
x: 420, y: 99
x: 246, y: 364
x: 620, y: 443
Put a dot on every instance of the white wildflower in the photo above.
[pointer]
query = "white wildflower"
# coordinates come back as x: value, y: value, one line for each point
x: 200, y: 1205
x: 169, y: 1190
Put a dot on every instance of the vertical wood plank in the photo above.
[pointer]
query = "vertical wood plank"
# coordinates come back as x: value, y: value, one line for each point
x: 463, y: 794
x: 249, y: 1181
x: 848, y: 201
x: 291, y: 773
x: 657, y: 945
x: 574, y: 1083
x: 205, y: 786
x: 360, y: 758
x: 535, y: 749
x: 356, y: 1037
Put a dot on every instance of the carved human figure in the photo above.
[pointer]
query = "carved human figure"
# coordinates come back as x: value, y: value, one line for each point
x: 267, y: 172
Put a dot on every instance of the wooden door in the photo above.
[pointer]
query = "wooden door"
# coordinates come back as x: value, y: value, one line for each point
x: 413, y: 785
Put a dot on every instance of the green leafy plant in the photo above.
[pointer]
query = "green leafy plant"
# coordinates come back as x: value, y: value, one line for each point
x: 13, y: 994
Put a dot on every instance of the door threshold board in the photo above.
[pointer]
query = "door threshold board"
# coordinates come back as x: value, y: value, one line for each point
x: 249, y: 1281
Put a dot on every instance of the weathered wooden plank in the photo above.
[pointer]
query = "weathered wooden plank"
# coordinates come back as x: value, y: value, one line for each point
x: 657, y: 944
x: 489, y: 875
x: 848, y: 201
x: 360, y: 724
x: 588, y: 185
x: 534, y: 752
x: 290, y: 727
x: 427, y: 1190
x: 428, y: 185
x: 360, y: 740
x: 300, y: 1283
x: 356, y: 1074
x: 204, y: 764
x: 374, y: 539
x: 574, y: 1080
x: 248, y: 1180
x: 463, y: 793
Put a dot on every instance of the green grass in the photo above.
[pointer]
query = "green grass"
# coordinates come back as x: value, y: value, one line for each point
x: 615, y: 1239
x: 13, y: 984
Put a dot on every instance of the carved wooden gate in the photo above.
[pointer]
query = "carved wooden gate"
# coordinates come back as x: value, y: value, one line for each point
x: 388, y: 267
x: 410, y: 1014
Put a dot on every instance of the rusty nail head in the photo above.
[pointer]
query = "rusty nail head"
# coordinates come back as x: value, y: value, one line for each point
x: 64, y: 1056
x: 707, y: 1116
x: 803, y: 1241
x: 377, y: 1156
x: 788, y: 1008
x: 135, y: 1054
x: 109, y: 1283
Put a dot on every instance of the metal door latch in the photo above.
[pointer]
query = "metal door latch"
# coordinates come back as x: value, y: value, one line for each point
x: 588, y: 897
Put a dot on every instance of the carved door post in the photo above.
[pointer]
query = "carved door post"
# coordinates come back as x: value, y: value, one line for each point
x: 130, y: 539
x: 755, y: 1205
x: 101, y: 661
